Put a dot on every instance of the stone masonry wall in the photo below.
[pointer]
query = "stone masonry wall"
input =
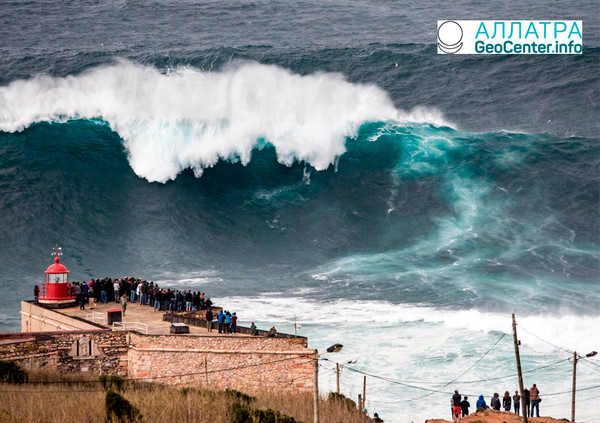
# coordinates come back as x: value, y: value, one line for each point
x: 98, y: 352
x: 245, y: 363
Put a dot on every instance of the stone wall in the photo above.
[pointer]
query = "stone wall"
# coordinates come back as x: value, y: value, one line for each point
x: 245, y: 363
x: 39, y: 319
x: 99, y: 352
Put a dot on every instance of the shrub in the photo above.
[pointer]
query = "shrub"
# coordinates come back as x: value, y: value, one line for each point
x: 334, y: 396
x: 271, y: 416
x: 11, y: 372
x: 240, y: 414
x: 115, y: 382
x: 121, y: 410
x: 239, y: 396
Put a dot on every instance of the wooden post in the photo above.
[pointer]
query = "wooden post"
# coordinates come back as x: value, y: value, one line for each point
x: 359, y: 401
x: 316, y: 390
x: 518, y: 357
x: 574, y: 385
x: 337, y: 378
x: 364, y: 397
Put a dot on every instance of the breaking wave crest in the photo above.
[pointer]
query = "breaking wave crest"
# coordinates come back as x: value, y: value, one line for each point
x: 188, y: 118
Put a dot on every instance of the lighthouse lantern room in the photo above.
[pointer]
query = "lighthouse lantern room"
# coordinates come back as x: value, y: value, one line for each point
x: 57, y: 291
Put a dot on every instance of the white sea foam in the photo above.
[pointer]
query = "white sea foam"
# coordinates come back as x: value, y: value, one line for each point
x: 188, y: 118
x: 427, y: 347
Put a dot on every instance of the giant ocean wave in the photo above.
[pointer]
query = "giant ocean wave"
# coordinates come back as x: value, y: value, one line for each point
x: 186, y: 118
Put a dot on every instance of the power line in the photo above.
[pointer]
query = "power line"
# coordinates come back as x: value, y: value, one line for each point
x: 469, y: 369
x: 577, y: 390
x: 543, y: 340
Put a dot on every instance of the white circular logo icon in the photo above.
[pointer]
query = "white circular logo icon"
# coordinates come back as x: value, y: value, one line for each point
x: 450, y: 36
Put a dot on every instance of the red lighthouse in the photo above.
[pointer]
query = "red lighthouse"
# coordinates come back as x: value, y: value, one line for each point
x: 57, y: 291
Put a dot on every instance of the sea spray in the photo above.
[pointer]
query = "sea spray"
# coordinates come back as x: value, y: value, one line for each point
x: 187, y: 118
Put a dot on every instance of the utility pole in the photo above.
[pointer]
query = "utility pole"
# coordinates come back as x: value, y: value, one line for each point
x: 521, y: 388
x: 364, y: 397
x: 359, y: 401
x: 574, y: 384
x: 206, y: 370
x: 316, y: 391
x: 337, y: 378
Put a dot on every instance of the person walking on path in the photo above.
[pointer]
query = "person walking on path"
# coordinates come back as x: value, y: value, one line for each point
x: 456, y: 410
x: 517, y: 402
x: 534, y: 396
x: 506, y: 401
x: 464, y: 406
x: 124, y: 302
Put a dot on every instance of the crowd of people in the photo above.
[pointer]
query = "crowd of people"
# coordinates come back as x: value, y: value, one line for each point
x: 130, y: 289
x: 460, y: 405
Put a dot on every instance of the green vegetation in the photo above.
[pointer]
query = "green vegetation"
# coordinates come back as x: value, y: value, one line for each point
x: 81, y: 397
x: 114, y: 382
x: 11, y: 372
x: 120, y: 410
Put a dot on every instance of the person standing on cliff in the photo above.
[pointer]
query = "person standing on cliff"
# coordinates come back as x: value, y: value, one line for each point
x: 495, y: 402
x: 506, y: 401
x: 456, y: 410
x: 527, y: 402
x: 464, y: 406
x: 517, y: 402
x: 36, y: 294
x: 534, y: 396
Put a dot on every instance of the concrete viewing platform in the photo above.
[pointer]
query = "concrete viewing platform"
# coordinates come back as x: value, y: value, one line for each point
x: 135, y: 313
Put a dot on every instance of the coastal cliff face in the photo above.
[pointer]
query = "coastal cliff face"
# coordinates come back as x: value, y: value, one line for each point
x: 493, y: 416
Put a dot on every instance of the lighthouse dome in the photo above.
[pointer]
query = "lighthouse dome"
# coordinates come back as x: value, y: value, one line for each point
x: 56, y: 267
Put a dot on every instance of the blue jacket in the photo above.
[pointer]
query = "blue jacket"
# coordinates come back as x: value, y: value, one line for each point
x: 481, y: 402
x: 220, y: 317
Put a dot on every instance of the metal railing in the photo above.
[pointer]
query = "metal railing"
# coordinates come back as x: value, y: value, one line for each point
x: 136, y: 326
x: 96, y: 315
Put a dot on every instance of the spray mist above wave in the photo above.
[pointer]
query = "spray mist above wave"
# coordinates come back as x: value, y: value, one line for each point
x: 187, y: 118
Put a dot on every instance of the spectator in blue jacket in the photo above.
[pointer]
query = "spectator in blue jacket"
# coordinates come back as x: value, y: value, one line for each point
x: 481, y: 402
x: 220, y: 319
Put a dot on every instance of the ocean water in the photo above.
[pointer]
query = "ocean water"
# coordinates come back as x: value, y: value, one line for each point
x: 318, y: 162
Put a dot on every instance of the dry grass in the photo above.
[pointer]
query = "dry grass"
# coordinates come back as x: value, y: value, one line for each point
x: 81, y: 399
